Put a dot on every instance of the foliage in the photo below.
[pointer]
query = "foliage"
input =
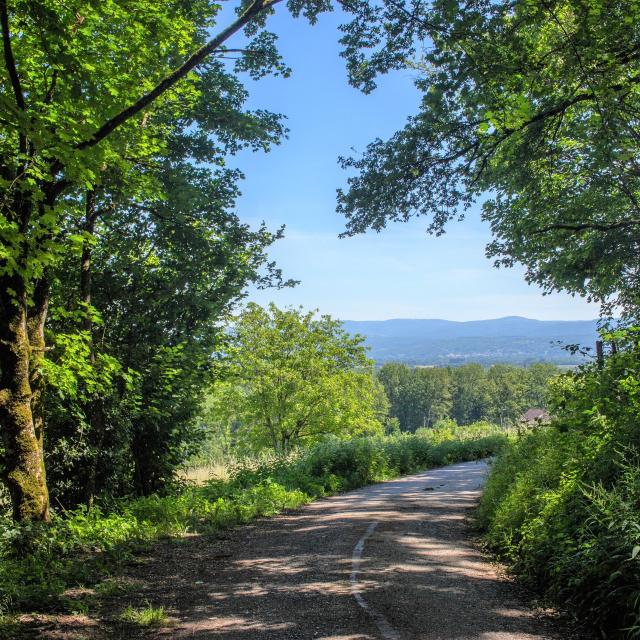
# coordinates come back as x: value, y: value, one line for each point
x: 422, y: 396
x: 38, y: 562
x: 507, y: 393
x: 293, y: 378
x: 116, y: 216
x: 147, y: 616
x: 530, y: 106
x: 162, y: 318
x: 561, y: 503
x: 116, y: 126
x: 470, y: 397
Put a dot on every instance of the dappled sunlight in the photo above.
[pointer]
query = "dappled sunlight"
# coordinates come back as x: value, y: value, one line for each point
x: 223, y: 624
x: 357, y: 636
x: 281, y: 566
x: 293, y: 576
x: 60, y: 627
x: 504, y: 635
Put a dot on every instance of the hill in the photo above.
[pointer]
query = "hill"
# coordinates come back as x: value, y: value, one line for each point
x: 511, y: 339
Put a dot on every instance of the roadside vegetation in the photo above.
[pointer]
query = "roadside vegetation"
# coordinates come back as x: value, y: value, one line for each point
x: 562, y: 504
x: 84, y: 548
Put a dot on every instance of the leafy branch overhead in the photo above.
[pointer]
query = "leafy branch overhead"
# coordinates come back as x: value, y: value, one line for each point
x: 530, y: 108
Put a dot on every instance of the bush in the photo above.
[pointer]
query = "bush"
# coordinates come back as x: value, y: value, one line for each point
x: 562, y: 503
x: 38, y: 562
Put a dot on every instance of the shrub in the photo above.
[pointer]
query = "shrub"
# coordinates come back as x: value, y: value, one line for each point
x: 562, y: 503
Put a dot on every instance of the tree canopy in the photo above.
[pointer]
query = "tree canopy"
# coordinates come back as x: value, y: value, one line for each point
x: 530, y: 107
x: 422, y: 396
x: 293, y: 378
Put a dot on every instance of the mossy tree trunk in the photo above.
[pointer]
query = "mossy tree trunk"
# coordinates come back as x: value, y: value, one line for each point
x: 22, y: 435
x: 36, y: 318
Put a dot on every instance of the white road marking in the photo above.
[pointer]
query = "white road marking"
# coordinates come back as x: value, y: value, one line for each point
x: 387, y: 631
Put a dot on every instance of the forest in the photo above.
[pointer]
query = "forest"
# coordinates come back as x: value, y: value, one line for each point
x: 128, y: 353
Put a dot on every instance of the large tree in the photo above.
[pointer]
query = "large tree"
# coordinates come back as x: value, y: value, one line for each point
x: 163, y: 280
x: 89, y: 97
x: 530, y: 106
x: 294, y: 378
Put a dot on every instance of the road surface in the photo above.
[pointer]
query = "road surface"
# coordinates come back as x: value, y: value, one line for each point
x: 388, y: 562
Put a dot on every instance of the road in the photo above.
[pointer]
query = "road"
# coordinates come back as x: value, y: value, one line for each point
x: 388, y: 562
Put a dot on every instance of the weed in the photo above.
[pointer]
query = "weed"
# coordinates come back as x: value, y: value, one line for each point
x: 147, y: 616
x: 562, y: 502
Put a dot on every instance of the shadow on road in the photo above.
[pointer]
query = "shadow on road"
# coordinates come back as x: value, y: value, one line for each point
x: 288, y: 577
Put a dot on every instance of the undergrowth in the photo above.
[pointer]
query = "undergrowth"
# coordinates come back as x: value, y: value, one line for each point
x: 80, y: 548
x: 562, y: 503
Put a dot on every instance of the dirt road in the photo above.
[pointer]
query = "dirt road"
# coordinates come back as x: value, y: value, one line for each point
x: 391, y: 562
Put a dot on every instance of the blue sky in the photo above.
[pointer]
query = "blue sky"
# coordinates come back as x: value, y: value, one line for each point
x: 402, y: 272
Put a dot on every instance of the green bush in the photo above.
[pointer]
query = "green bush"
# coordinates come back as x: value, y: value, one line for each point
x: 38, y: 562
x: 562, y: 503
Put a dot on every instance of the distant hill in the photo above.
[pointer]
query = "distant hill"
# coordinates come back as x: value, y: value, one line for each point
x: 512, y: 339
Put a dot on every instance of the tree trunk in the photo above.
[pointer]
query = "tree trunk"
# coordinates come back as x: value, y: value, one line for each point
x: 22, y: 436
x: 94, y: 409
x: 36, y: 318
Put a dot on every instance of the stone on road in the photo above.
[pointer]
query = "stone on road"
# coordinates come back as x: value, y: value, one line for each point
x: 390, y: 561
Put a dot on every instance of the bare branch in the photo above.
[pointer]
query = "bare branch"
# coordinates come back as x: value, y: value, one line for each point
x: 10, y: 64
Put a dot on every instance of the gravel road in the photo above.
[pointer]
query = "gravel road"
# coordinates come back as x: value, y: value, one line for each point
x: 389, y: 562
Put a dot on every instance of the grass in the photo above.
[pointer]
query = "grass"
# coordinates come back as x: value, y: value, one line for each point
x: 147, y: 616
x: 39, y: 563
x: 202, y: 474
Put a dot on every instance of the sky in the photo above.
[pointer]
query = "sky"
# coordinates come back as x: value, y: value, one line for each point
x: 401, y: 272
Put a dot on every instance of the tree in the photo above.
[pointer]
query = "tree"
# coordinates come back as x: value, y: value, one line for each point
x: 418, y: 396
x: 470, y: 397
x: 90, y: 95
x: 294, y: 378
x: 507, y: 392
x: 398, y: 382
x: 433, y: 392
x: 165, y: 278
x: 539, y: 375
x: 530, y: 106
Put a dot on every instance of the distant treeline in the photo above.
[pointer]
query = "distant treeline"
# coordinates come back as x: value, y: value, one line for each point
x: 421, y: 396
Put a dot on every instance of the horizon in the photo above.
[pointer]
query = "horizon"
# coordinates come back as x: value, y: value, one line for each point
x: 508, y: 317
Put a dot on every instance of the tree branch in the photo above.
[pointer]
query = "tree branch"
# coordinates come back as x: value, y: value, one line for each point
x: 254, y: 9
x: 10, y: 64
x: 9, y: 60
x: 587, y: 226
